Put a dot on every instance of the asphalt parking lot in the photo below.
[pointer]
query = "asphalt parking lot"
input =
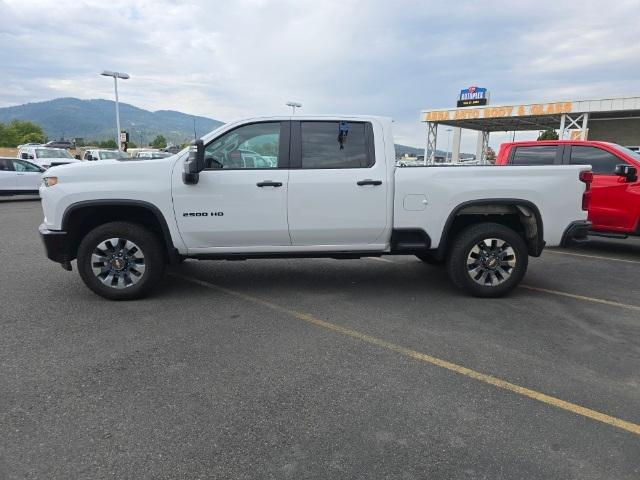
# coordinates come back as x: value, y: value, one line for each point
x: 319, y: 369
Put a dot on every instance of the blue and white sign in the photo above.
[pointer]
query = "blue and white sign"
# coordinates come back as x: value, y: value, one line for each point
x: 473, y: 96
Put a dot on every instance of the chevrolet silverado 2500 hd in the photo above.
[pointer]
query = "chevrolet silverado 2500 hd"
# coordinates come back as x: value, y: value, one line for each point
x: 308, y: 186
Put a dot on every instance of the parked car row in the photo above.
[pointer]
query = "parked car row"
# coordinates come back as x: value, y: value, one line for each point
x: 22, y: 175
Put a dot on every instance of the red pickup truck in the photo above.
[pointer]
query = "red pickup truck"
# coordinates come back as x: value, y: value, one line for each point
x: 614, y: 204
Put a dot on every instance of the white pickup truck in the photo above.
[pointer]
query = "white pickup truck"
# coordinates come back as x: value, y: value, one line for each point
x: 305, y: 186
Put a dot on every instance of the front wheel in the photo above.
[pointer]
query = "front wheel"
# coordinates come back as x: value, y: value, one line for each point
x: 487, y: 260
x: 120, y: 260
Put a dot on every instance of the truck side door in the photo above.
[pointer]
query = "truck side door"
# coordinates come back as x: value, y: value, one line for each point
x: 241, y: 197
x: 337, y: 185
x: 613, y: 205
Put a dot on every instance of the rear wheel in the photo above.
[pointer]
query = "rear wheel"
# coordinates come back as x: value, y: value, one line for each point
x: 120, y: 260
x: 487, y: 260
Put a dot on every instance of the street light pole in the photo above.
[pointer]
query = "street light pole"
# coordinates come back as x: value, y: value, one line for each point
x: 293, y: 106
x: 115, y: 86
x: 116, y: 76
x: 446, y: 157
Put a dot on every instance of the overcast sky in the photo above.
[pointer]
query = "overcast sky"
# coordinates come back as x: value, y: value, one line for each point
x: 230, y: 59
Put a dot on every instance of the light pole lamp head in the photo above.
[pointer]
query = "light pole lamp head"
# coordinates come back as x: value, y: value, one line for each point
x: 294, y: 104
x: 109, y: 73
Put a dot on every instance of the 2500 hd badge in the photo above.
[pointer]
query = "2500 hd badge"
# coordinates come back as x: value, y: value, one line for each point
x: 203, y: 214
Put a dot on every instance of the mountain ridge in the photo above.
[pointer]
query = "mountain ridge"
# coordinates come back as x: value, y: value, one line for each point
x: 93, y: 119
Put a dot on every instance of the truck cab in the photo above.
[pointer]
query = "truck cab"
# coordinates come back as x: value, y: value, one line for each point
x: 614, y: 207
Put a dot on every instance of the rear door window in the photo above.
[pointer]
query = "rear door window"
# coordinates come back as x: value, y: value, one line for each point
x: 601, y: 161
x: 336, y: 145
x: 535, y: 155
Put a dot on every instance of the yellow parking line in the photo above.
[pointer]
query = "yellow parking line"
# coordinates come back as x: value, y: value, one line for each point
x: 599, y: 257
x: 567, y: 294
x: 380, y: 259
x: 581, y: 297
x: 459, y: 369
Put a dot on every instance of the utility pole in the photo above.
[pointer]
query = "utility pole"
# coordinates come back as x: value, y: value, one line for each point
x: 116, y: 76
x: 293, y: 106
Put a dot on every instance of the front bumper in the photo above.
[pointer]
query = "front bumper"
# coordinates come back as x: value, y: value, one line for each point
x: 57, y: 246
x: 576, y: 233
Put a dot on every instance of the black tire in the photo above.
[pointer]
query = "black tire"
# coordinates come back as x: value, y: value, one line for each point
x: 480, y: 279
x: 148, y: 252
x: 430, y: 259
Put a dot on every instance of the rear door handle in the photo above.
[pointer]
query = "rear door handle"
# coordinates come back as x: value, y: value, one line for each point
x: 368, y: 181
x: 269, y: 183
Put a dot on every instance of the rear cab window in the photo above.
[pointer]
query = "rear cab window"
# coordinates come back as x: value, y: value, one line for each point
x: 535, y: 155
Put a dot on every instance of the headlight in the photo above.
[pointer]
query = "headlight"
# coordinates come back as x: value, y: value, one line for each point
x: 50, y: 181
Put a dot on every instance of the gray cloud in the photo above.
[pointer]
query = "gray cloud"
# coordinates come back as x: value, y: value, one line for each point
x: 230, y: 59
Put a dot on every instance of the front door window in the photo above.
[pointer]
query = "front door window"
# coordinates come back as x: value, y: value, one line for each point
x: 255, y: 146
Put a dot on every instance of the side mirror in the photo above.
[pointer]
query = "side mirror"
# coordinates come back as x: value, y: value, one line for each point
x: 24, y: 156
x: 194, y: 164
x: 629, y: 172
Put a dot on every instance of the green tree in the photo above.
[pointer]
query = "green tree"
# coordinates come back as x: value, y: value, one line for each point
x: 111, y: 143
x: 491, y: 155
x: 548, y: 135
x: 17, y: 132
x: 132, y: 144
x: 159, y: 142
x: 32, y: 137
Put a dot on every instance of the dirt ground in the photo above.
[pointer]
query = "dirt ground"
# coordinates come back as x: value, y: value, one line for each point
x: 8, y: 152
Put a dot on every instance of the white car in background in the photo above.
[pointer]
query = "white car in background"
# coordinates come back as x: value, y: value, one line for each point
x: 19, y: 177
x: 45, y: 157
x: 151, y: 154
x: 103, y: 154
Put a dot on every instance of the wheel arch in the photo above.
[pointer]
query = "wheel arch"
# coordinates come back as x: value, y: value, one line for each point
x: 81, y: 217
x: 498, y: 210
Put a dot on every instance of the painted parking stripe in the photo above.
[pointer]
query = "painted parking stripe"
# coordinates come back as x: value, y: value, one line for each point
x: 585, y: 298
x: 423, y: 357
x: 599, y: 257
x: 380, y: 259
x: 582, y: 297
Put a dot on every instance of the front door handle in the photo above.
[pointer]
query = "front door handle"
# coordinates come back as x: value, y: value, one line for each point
x: 269, y: 183
x: 368, y: 181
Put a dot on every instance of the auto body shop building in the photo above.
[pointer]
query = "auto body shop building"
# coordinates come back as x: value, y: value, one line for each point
x: 614, y: 120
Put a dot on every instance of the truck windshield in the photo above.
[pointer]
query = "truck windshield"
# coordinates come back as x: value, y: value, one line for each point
x: 52, y: 153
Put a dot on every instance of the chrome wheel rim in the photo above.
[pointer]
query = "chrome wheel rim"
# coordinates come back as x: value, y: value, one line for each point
x: 118, y: 263
x: 491, y: 262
